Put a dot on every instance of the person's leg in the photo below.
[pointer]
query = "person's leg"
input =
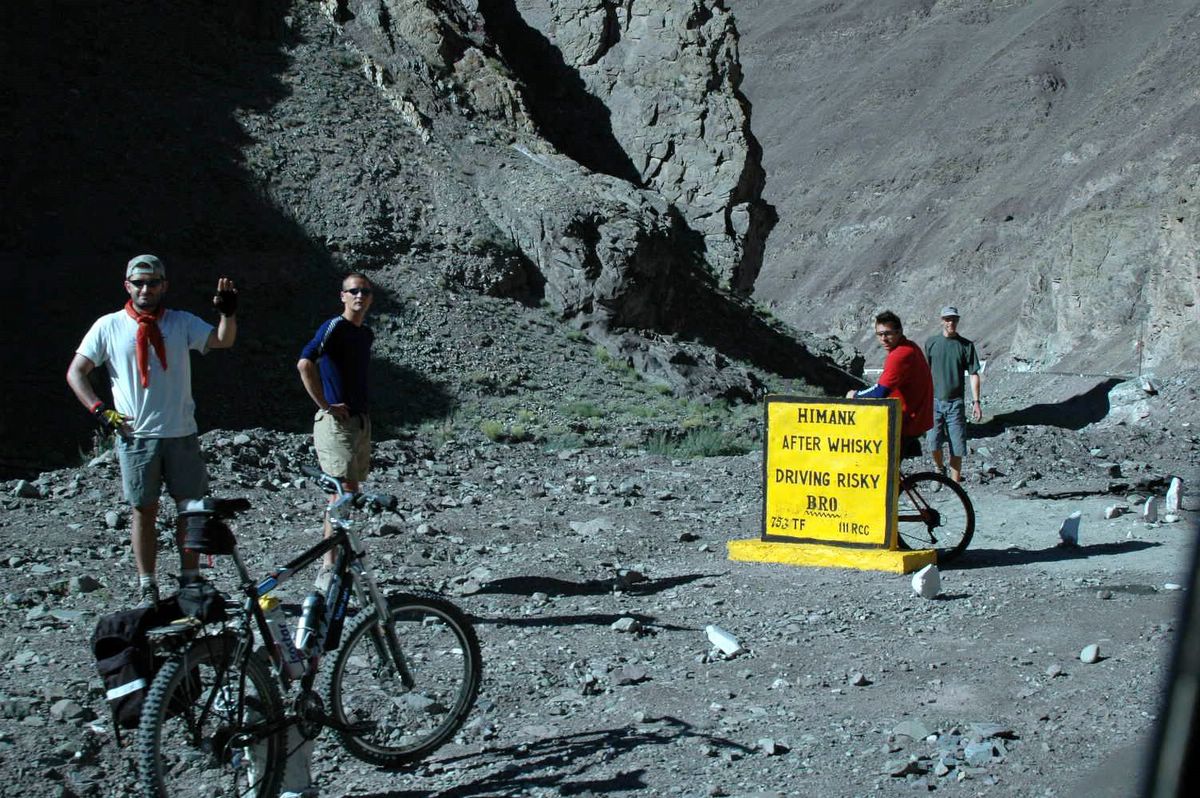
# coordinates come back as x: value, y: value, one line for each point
x: 144, y: 539
x: 937, y: 436
x: 186, y: 478
x: 956, y: 468
x: 956, y: 424
x: 141, y: 481
x: 334, y: 441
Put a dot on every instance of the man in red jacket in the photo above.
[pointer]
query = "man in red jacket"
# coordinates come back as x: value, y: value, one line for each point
x: 906, y: 376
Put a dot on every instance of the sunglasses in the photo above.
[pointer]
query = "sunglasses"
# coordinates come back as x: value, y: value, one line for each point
x: 357, y: 291
x: 140, y: 284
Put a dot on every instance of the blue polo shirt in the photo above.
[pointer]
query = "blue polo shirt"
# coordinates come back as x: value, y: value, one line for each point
x: 342, y: 354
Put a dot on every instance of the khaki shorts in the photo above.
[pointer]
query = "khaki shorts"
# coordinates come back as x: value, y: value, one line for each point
x: 343, y: 447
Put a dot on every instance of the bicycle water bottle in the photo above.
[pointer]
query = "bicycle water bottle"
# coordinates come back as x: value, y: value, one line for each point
x: 308, y: 632
x: 290, y: 659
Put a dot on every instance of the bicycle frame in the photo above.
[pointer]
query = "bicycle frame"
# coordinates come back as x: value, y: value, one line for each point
x: 918, y: 501
x: 349, y: 572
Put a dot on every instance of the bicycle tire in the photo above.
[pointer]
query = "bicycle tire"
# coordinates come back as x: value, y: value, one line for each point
x: 192, y: 708
x: 442, y: 652
x: 934, y: 512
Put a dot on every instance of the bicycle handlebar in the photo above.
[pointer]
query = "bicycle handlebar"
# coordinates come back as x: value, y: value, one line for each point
x: 375, y: 502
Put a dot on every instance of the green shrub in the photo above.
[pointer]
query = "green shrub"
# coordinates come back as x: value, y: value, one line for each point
x: 697, y: 442
x: 504, y: 433
x: 560, y: 439
x: 581, y: 408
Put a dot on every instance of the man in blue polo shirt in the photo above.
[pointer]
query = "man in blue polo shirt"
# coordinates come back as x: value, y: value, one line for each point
x: 333, y: 368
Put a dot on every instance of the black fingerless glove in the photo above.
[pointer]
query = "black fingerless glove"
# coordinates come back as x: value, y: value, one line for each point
x: 226, y: 302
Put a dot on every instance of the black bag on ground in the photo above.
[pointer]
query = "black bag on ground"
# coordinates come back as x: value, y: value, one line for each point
x: 125, y: 660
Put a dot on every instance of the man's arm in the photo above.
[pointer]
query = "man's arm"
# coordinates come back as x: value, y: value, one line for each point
x: 310, y: 375
x: 77, y: 378
x: 976, y: 407
x: 226, y: 302
x: 81, y: 386
x: 876, y: 391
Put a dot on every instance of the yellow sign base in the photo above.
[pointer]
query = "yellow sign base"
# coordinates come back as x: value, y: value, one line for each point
x: 818, y: 556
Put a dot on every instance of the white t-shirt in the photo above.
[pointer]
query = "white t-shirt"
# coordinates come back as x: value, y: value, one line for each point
x: 165, y: 409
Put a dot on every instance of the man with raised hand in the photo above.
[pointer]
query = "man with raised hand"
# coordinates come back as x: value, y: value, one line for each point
x: 146, y: 348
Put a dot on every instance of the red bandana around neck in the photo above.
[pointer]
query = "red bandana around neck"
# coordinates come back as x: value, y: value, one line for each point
x: 148, y: 335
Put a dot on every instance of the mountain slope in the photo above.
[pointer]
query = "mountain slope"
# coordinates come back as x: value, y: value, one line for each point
x: 1033, y: 163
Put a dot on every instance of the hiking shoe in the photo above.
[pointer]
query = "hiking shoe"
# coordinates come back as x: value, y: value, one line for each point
x: 149, y: 597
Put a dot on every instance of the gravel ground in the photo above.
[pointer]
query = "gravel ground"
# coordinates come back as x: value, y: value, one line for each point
x: 848, y: 684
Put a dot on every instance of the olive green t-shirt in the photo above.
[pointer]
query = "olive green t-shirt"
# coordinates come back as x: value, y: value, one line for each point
x: 948, y: 359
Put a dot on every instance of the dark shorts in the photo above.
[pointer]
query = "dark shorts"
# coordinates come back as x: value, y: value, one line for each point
x: 910, y: 446
x: 146, y: 463
x: 949, y: 426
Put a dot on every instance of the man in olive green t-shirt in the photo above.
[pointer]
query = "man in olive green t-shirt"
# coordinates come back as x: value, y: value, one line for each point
x: 951, y: 356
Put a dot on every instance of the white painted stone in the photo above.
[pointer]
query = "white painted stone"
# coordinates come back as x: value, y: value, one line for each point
x: 727, y: 643
x: 1114, y: 511
x: 1150, y: 510
x: 1090, y: 654
x: 1174, y: 501
x: 927, y: 582
x: 1069, y: 531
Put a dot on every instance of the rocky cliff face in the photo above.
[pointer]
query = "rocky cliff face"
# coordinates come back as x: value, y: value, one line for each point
x: 599, y: 153
x: 1033, y: 163
x: 597, y: 160
x: 624, y: 120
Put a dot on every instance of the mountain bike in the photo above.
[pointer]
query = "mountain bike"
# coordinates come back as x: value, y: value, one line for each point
x: 218, y: 715
x: 934, y: 512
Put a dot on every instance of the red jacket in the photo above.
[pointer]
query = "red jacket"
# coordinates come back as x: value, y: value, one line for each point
x: 906, y: 373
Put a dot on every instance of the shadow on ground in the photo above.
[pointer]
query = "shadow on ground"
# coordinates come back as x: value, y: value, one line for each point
x: 564, y: 760
x: 992, y: 558
x: 553, y: 586
x: 1074, y: 413
x: 649, y: 623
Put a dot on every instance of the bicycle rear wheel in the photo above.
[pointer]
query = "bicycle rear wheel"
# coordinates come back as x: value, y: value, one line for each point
x: 441, y: 652
x: 934, y: 512
x: 199, y: 701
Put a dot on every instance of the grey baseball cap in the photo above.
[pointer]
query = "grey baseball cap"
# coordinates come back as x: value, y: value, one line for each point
x: 145, y: 266
x: 949, y: 310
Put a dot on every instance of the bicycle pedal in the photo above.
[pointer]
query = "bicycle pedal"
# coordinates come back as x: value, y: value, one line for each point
x: 362, y: 727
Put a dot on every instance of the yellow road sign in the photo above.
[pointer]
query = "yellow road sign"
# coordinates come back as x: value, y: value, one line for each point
x: 830, y: 471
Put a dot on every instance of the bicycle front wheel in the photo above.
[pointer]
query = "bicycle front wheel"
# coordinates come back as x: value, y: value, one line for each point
x: 395, y: 725
x: 204, y: 729
x: 934, y: 512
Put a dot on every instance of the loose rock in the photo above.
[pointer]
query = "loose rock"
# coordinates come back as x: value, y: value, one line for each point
x: 1068, y: 532
x: 927, y: 582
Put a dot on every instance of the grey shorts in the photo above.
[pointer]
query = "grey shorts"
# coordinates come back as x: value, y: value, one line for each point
x: 949, y: 426
x: 343, y: 447
x: 147, y: 462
